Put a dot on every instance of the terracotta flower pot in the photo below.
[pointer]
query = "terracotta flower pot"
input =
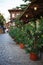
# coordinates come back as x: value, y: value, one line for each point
x: 33, y: 56
x: 22, y: 46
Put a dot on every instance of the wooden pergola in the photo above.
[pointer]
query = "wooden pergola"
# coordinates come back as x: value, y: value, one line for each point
x: 34, y: 10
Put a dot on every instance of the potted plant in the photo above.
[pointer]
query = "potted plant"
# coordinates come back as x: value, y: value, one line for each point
x: 22, y: 38
x: 20, y: 25
x: 34, y: 31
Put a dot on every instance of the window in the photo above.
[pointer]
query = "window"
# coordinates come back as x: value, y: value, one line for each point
x: 13, y: 15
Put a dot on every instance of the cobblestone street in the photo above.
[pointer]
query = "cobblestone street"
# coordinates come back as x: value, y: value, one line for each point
x: 11, y: 54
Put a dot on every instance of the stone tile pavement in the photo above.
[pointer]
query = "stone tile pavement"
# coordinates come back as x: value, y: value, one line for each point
x: 11, y: 54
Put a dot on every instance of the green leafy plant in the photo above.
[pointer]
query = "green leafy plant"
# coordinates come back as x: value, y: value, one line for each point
x: 35, y: 32
x: 30, y: 34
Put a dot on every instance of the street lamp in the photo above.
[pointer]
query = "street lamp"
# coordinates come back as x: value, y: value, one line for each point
x: 35, y: 8
x: 26, y: 16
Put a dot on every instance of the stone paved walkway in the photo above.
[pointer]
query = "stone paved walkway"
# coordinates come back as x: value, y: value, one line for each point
x: 11, y: 54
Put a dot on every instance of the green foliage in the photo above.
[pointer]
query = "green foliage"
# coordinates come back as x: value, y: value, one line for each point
x: 23, y: 6
x: 35, y: 31
x: 2, y: 19
x: 15, y: 33
x: 30, y: 34
x: 19, y: 23
x: 28, y: 0
x: 11, y: 32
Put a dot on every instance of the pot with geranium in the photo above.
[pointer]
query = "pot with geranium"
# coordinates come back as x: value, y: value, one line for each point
x: 34, y: 31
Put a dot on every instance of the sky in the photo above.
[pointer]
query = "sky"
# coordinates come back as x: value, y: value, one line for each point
x: 5, y: 5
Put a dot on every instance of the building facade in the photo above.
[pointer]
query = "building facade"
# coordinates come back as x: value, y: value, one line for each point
x: 14, y: 13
